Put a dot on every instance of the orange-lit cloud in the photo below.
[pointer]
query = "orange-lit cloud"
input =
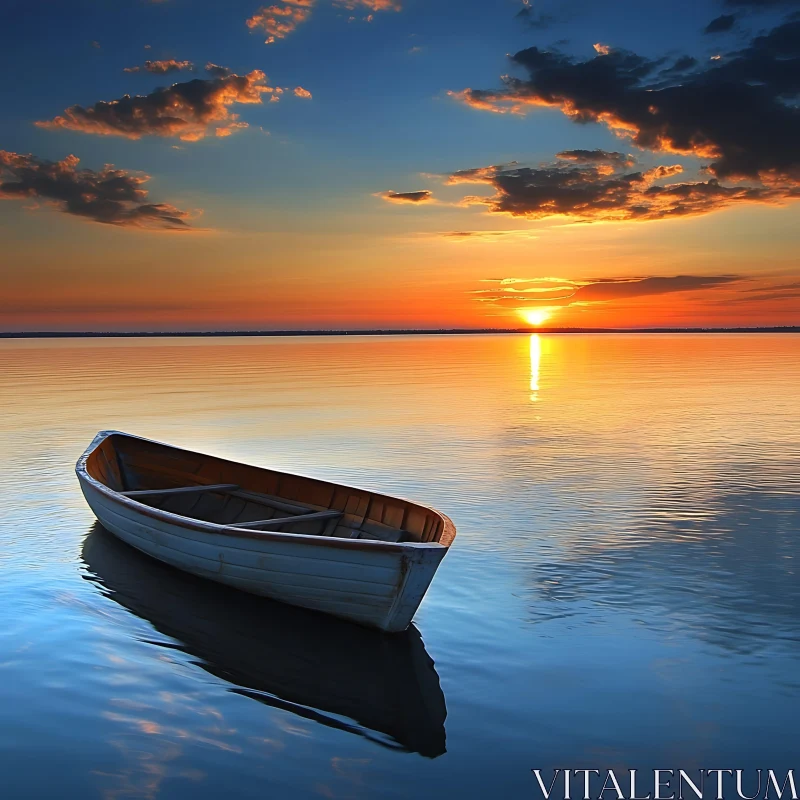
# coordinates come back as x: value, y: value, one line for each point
x: 227, y: 130
x: 560, y: 292
x: 372, y: 5
x: 520, y: 295
x: 111, y: 196
x: 279, y: 20
x: 668, y: 171
x: 299, y: 91
x: 188, y: 111
x: 162, y: 67
x: 282, y: 18
x: 478, y: 174
x: 216, y: 71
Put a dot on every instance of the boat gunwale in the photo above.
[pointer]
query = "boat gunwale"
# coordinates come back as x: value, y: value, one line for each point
x: 445, y: 540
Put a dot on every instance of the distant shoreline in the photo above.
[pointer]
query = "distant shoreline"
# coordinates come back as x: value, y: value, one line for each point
x: 374, y: 332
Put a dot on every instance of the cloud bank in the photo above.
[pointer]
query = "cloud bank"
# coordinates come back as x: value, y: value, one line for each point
x: 739, y: 111
x: 598, y: 185
x: 111, y: 196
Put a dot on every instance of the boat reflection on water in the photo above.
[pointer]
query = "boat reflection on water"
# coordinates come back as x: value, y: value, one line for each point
x: 380, y: 686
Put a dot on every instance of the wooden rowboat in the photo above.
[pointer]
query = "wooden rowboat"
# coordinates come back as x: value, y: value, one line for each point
x: 352, y: 553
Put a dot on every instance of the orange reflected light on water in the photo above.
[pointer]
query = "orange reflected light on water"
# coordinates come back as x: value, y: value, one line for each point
x: 536, y: 358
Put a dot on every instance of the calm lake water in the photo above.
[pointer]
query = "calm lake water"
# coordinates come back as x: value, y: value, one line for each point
x: 622, y: 591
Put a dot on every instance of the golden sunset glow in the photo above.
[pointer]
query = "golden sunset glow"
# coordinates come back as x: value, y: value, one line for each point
x: 681, y: 216
x: 536, y: 316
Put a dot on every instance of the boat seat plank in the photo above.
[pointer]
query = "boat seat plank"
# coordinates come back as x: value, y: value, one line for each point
x: 384, y: 536
x: 393, y: 535
x: 269, y: 500
x: 333, y: 524
x: 276, y: 521
x: 208, y: 487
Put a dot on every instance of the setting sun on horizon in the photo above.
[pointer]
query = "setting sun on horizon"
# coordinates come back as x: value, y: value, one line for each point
x: 536, y: 316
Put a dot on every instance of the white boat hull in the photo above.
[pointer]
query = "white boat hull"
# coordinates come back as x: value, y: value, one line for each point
x: 373, y: 583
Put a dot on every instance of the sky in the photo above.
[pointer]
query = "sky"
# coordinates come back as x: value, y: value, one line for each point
x: 354, y: 164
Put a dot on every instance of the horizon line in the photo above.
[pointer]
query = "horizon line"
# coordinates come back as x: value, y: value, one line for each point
x: 386, y: 332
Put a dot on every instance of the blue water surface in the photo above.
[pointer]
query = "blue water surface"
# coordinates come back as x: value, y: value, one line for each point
x: 622, y: 591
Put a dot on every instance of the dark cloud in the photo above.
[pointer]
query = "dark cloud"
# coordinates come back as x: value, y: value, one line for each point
x: 111, y: 196
x: 597, y: 157
x: 162, y: 67
x: 544, y: 14
x: 778, y: 291
x: 764, y: 296
x: 423, y: 196
x: 681, y: 65
x: 779, y: 287
x: 188, y: 111
x: 536, y: 18
x: 615, y: 290
x: 720, y: 24
x: 740, y: 111
x: 603, y: 191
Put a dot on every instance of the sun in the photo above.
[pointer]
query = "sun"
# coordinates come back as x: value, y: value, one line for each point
x: 535, y: 316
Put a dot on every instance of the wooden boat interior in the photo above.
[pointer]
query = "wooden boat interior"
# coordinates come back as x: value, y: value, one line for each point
x: 249, y: 499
